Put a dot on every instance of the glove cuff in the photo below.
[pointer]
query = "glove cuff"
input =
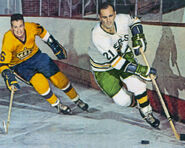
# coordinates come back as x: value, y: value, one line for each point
x: 6, y: 73
x: 138, y: 36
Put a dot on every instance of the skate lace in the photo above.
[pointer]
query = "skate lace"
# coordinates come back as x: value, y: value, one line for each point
x: 80, y: 103
x: 150, y: 118
x: 63, y: 107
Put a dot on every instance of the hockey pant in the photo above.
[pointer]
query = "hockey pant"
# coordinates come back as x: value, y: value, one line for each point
x: 111, y: 82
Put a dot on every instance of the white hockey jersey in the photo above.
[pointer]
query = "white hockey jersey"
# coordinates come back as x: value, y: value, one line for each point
x: 105, y: 48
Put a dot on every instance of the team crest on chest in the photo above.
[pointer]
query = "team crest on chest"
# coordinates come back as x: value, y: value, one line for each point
x: 23, y: 54
x: 119, y: 44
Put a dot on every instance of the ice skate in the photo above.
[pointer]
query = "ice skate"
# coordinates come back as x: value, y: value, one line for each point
x: 146, y: 113
x: 84, y: 106
x: 61, y: 108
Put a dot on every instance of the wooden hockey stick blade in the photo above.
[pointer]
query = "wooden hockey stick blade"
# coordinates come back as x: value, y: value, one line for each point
x: 5, y: 127
x: 182, y: 137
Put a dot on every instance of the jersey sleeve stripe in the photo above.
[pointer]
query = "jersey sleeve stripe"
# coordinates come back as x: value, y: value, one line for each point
x: 118, y: 63
x: 100, y: 66
x: 45, y: 38
x: 3, y: 67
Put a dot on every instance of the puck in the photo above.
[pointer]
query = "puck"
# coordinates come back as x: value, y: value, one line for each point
x: 145, y: 142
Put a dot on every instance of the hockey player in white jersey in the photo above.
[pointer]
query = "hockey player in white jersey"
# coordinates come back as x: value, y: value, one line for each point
x: 113, y: 64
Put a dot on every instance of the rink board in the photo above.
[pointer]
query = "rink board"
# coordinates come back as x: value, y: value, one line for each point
x: 165, y: 44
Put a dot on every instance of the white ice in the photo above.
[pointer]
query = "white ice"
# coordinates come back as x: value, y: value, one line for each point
x: 35, y: 124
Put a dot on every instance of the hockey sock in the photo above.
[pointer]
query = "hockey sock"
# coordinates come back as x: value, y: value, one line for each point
x: 62, y: 82
x: 41, y: 85
x: 142, y: 99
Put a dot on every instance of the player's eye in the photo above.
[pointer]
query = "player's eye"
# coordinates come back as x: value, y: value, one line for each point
x: 111, y: 15
x: 104, y: 17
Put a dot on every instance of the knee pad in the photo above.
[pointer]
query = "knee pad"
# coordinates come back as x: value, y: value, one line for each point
x: 40, y: 83
x: 135, y: 85
x: 122, y: 98
x: 59, y: 80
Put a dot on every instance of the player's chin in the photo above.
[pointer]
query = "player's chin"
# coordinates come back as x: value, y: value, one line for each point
x: 109, y: 26
x: 19, y: 35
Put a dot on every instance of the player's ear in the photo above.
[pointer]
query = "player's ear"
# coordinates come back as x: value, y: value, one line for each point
x: 11, y: 26
x: 99, y: 16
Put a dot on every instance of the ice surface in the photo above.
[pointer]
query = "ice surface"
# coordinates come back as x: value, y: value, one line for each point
x: 35, y: 124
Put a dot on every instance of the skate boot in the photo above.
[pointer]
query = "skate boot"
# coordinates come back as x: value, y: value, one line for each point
x: 81, y: 104
x: 146, y: 113
x: 61, y: 108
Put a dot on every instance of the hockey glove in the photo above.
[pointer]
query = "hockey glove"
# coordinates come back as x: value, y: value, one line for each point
x: 141, y: 71
x: 138, y: 41
x: 57, y: 48
x: 10, y: 80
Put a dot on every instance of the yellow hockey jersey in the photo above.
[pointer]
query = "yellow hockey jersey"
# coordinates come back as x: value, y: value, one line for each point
x: 15, y: 51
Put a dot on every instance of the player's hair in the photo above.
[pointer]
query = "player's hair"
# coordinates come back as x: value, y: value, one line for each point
x: 16, y: 17
x: 105, y: 5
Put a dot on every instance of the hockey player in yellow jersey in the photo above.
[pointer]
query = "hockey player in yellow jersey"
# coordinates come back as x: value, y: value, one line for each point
x: 21, y: 56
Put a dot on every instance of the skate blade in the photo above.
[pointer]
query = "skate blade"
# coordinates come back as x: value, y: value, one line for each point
x: 157, y: 128
x: 92, y: 110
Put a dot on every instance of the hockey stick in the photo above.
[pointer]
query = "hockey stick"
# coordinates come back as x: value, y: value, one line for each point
x: 6, y: 125
x: 178, y: 136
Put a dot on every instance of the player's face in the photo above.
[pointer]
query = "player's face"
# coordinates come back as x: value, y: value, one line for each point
x: 18, y: 29
x: 107, y: 17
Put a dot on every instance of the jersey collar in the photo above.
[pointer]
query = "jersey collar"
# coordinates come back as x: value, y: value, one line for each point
x: 21, y: 40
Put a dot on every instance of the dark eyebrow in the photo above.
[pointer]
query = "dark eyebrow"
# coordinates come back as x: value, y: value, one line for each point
x: 108, y: 16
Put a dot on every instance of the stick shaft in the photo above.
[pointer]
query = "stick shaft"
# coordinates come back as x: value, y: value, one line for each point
x: 10, y: 109
x: 161, y: 98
